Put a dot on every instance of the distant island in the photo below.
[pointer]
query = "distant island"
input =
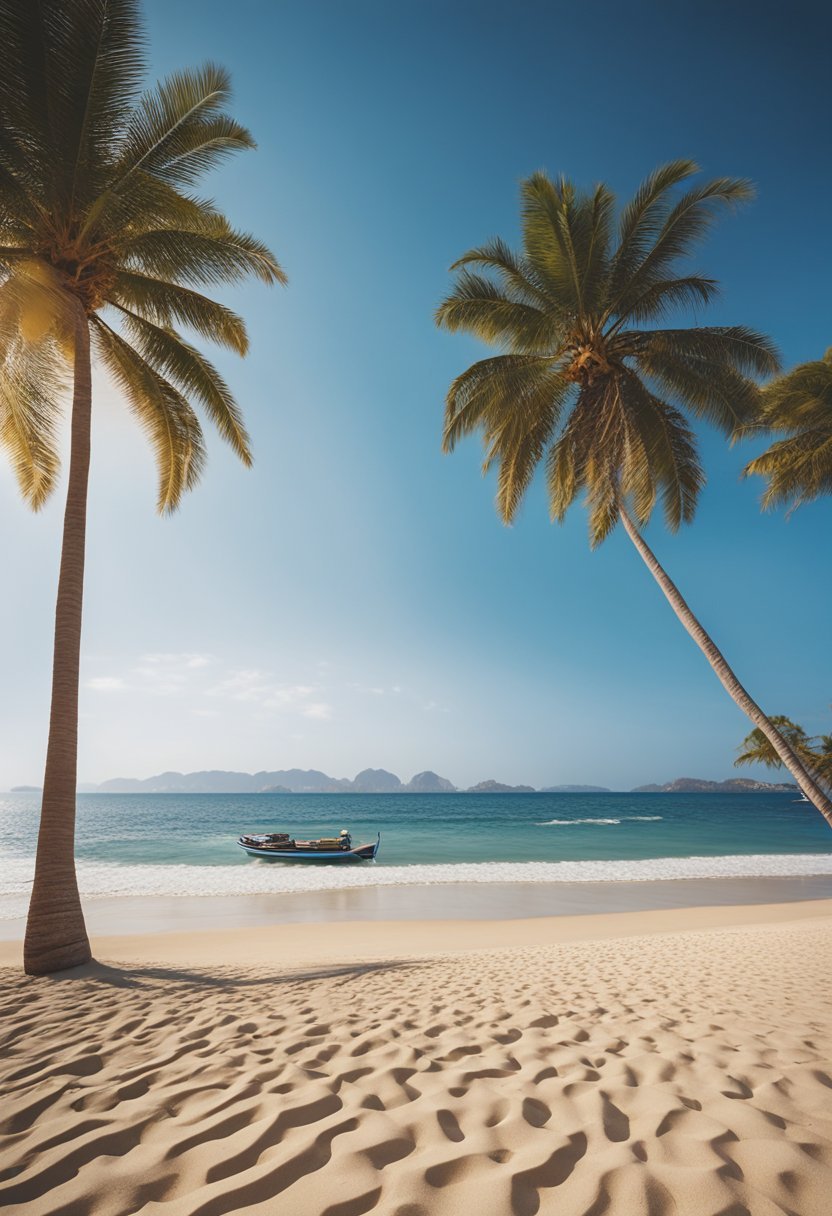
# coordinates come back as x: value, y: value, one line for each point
x: 282, y: 781
x: 736, y: 785
x: 380, y: 781
x: 494, y: 787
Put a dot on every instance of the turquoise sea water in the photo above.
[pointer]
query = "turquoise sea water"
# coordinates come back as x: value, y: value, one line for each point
x: 182, y: 844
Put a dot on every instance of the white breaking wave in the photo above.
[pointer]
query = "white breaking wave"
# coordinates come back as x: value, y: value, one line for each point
x: 99, y: 880
x: 548, y: 823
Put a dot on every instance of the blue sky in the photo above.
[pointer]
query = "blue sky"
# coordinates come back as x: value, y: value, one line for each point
x: 354, y: 600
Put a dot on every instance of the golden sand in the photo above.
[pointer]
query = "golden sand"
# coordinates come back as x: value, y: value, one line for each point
x: 575, y: 1066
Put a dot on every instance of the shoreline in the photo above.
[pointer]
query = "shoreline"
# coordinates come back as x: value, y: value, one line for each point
x: 131, y: 915
x: 353, y: 941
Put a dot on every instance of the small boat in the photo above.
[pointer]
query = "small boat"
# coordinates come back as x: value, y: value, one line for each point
x: 280, y: 846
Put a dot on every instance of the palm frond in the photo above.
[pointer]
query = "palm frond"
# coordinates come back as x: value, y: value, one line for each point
x: 712, y: 391
x: 165, y: 123
x: 587, y: 456
x: 518, y: 278
x: 145, y: 204
x: 591, y: 244
x: 822, y: 747
x: 798, y: 406
x: 734, y: 346
x: 27, y: 101
x: 642, y: 218
x: 660, y: 298
x: 97, y: 212
x: 638, y: 473
x: 684, y: 226
x: 99, y: 57
x: 519, y: 430
x: 18, y: 198
x: 176, y: 360
x: 200, y: 145
x: 165, y: 416
x: 566, y: 239
x: 217, y: 254
x: 799, y: 469
x: 32, y: 385
x: 670, y: 454
x: 478, y: 306
x: 579, y: 305
x: 164, y: 303
x: 484, y: 395
x: 756, y: 748
x: 34, y: 304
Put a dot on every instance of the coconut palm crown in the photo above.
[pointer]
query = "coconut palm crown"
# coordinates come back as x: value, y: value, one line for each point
x: 98, y: 221
x: 588, y: 379
x: 104, y: 248
x: 798, y: 405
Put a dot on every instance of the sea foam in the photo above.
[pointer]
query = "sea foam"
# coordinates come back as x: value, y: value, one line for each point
x: 548, y: 823
x: 100, y: 880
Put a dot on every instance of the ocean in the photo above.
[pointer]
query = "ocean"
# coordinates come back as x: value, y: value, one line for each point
x: 173, y: 845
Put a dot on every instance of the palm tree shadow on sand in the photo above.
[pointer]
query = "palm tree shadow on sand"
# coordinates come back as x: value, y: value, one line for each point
x: 230, y: 978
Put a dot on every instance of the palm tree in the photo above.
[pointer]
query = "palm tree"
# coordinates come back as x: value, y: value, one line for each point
x: 799, y: 405
x: 104, y: 247
x: 756, y: 748
x: 815, y: 753
x: 582, y: 384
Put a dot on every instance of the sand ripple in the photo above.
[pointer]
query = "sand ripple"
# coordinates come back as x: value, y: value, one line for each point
x: 673, y: 1075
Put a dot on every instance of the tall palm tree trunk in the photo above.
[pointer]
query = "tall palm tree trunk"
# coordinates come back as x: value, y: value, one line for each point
x: 56, y: 936
x: 724, y: 673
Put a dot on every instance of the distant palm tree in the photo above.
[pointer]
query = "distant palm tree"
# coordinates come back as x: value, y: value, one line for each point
x: 580, y: 382
x: 103, y: 244
x: 756, y: 748
x: 798, y: 405
x: 815, y: 752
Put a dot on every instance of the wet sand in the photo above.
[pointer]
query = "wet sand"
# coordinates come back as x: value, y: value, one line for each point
x: 445, y: 901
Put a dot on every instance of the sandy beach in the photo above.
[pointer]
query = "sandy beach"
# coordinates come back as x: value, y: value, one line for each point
x: 639, y: 1064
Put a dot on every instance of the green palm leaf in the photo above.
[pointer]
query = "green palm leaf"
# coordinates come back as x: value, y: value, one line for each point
x: 641, y: 221
x: 174, y: 358
x: 518, y: 277
x: 32, y: 384
x: 798, y: 406
x: 568, y: 313
x: 581, y: 384
x: 98, y: 216
x: 95, y: 189
x: 169, y: 304
x: 163, y: 413
x: 214, y: 254
x: 480, y: 307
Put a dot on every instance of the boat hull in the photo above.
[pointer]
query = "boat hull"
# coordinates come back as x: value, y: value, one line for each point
x: 363, y: 852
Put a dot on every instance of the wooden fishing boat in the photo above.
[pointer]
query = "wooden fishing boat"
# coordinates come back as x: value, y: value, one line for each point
x: 279, y: 846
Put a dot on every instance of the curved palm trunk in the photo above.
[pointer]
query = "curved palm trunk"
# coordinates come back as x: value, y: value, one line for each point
x: 724, y: 673
x: 56, y: 936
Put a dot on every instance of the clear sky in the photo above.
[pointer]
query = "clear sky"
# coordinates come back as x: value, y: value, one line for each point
x: 353, y: 601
